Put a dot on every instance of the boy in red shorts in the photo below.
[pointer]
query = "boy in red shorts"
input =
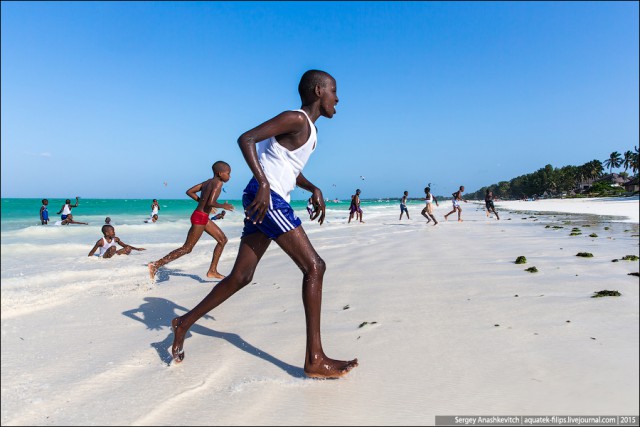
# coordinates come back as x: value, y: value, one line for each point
x: 200, y: 222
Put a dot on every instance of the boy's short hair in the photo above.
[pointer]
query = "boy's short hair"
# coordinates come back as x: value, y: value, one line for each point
x: 44, y: 200
x: 308, y: 82
x: 427, y: 189
x: 220, y: 166
x: 104, y: 227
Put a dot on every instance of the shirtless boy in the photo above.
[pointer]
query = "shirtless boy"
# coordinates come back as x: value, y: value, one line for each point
x: 209, y: 191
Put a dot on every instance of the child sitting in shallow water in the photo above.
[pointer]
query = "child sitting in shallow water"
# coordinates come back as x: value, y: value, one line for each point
x: 107, y: 244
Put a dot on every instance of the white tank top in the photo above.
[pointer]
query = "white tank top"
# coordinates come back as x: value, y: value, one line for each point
x: 106, y: 245
x: 282, y: 166
x: 429, y: 198
x: 66, y: 210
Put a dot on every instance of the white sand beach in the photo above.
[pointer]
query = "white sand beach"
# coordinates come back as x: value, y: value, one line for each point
x: 441, y: 319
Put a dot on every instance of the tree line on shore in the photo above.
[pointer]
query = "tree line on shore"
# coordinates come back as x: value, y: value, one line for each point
x: 566, y: 180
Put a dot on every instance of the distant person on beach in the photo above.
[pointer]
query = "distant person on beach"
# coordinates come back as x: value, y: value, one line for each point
x: 456, y: 199
x: 209, y: 191
x: 488, y: 201
x: 44, y: 213
x: 276, y: 152
x: 310, y: 207
x: 107, y: 244
x: 152, y: 219
x: 69, y: 220
x: 66, y: 208
x: 155, y: 207
x: 403, y: 205
x: 218, y: 216
x: 355, y: 209
x: 427, y: 212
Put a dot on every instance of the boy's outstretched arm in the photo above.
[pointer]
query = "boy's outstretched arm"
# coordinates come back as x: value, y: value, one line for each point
x: 124, y: 245
x: 317, y: 198
x: 286, y: 125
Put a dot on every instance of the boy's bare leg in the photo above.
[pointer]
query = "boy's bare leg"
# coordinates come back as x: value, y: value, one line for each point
x: 214, y: 231
x: 124, y: 251
x: 434, y: 220
x: 110, y: 252
x: 459, y: 215
x: 424, y: 214
x: 192, y: 238
x: 252, y: 247
x: 317, y: 365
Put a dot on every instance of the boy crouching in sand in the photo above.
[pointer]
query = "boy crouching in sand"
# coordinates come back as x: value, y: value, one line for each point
x: 200, y: 222
x: 107, y: 244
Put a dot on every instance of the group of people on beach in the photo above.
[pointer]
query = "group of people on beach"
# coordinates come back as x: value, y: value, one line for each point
x: 427, y: 211
x: 276, y: 152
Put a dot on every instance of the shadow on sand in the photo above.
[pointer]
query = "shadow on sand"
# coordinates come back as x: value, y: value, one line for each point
x: 157, y: 313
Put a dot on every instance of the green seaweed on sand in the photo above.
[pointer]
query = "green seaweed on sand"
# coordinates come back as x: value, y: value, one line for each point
x: 585, y: 254
x: 605, y: 293
x: 366, y: 323
x: 630, y: 258
x: 593, y: 235
x: 531, y: 270
x: 521, y: 260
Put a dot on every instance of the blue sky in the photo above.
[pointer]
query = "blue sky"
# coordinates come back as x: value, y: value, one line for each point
x: 113, y: 99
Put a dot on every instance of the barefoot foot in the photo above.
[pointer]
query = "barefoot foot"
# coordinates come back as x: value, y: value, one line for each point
x: 328, y: 368
x: 152, y: 270
x: 178, y: 340
x: 215, y: 275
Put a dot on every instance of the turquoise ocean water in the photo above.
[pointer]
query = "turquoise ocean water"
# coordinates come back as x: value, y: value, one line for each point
x: 18, y: 213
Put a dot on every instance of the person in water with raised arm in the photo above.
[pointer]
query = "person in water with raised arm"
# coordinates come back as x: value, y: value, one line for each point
x: 276, y: 152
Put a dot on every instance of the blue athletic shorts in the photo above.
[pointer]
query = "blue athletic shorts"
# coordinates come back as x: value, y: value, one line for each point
x: 279, y: 219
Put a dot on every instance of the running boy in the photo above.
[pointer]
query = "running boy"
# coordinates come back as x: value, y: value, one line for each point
x: 276, y: 152
x: 107, y: 244
x: 403, y: 205
x: 457, y: 198
x: 428, y: 209
x: 209, y: 192
x: 488, y: 202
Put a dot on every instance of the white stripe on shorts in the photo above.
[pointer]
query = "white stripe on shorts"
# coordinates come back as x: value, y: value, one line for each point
x: 281, y: 220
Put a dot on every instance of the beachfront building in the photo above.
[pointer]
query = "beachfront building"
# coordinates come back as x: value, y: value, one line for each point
x: 614, y: 179
x: 632, y: 185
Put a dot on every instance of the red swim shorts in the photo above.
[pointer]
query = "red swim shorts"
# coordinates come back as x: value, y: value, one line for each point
x: 199, y: 218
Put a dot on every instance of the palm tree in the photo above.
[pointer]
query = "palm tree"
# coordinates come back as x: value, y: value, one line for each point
x: 634, y: 161
x: 614, y: 161
x: 628, y: 159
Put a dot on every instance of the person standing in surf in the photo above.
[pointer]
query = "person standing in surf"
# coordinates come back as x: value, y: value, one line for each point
x: 276, y: 152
